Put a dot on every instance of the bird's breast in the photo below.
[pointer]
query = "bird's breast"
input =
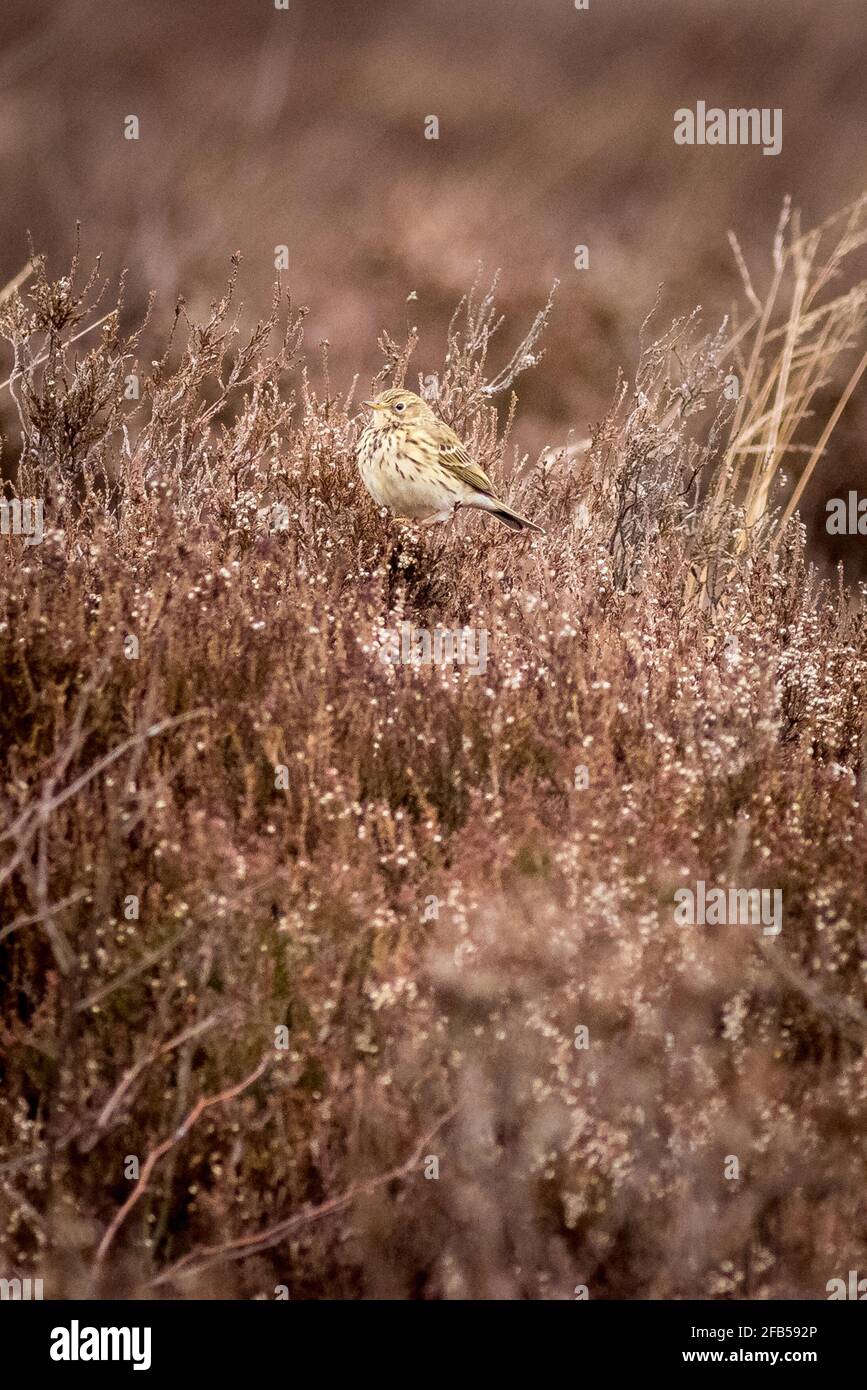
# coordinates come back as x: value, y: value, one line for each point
x: 397, y: 479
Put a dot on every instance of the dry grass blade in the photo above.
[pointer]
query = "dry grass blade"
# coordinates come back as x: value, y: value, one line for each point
x: 16, y: 282
x: 786, y: 352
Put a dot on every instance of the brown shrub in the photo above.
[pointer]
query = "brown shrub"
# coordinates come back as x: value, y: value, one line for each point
x: 434, y: 902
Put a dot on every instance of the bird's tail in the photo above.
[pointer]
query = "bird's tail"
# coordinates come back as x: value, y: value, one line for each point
x: 509, y: 518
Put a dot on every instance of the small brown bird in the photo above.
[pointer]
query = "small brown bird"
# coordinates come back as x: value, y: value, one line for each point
x: 412, y: 462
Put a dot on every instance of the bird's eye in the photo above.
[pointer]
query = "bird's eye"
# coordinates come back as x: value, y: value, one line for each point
x: 399, y: 405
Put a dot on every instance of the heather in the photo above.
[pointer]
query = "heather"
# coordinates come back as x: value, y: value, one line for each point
x: 373, y: 966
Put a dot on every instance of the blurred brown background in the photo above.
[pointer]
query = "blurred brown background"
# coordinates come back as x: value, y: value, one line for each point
x: 305, y: 127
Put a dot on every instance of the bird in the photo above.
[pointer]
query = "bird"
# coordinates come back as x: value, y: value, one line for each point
x: 414, y: 464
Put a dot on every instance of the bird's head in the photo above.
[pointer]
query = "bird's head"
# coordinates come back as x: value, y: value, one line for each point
x: 394, y: 407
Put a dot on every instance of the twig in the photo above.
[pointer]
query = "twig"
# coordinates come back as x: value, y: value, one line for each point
x: 35, y: 917
x: 39, y: 360
x: 131, y: 972
x: 523, y: 356
x: 204, y: 1103
x: 263, y: 1240
x: 132, y: 1073
x: 22, y: 832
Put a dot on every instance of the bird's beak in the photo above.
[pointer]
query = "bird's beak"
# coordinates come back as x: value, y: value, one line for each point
x: 373, y: 405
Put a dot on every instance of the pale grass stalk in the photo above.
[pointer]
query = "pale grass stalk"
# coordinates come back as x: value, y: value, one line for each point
x: 789, y: 360
x: 16, y: 282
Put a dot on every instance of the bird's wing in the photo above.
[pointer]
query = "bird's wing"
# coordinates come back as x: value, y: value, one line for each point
x: 454, y: 456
